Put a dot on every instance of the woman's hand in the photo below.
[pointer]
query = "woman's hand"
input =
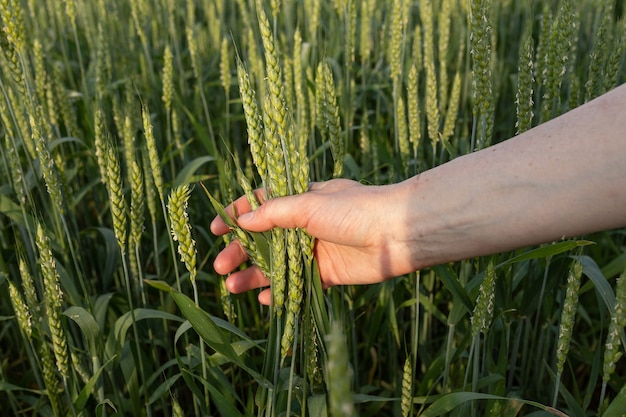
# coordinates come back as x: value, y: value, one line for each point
x: 353, y: 226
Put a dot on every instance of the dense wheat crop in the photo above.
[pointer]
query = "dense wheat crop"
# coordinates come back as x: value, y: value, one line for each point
x: 126, y: 126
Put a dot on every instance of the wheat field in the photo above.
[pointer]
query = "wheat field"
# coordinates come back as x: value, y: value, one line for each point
x: 126, y: 126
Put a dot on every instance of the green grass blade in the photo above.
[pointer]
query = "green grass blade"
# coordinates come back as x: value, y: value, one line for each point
x: 116, y: 339
x: 186, y: 175
x: 603, y: 288
x: 88, y: 389
x: 547, y: 251
x: 87, y: 324
x: 204, y: 325
x: 617, y: 406
x: 450, y: 401
x: 451, y: 282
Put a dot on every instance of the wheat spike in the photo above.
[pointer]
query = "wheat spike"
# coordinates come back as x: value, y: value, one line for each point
x: 443, y: 44
x: 15, y: 168
x: 403, y: 136
x: 328, y: 115
x: 483, y: 310
x: 53, y: 297
x: 365, y: 38
x: 168, y: 78
x: 612, y: 349
x: 557, y: 56
x: 312, y: 11
x: 30, y: 293
x: 278, y: 269
x: 406, y: 401
x: 225, y: 66
x: 599, y: 54
x: 453, y: 108
x: 415, y: 127
x: 432, y: 105
x: 395, y: 41
x: 482, y: 83
x: 253, y: 121
x: 568, y: 315
x: 153, y: 154
x: 48, y: 166
x: 22, y: 312
x: 181, y: 229
x: 50, y: 379
x: 525, y: 82
x: 295, y: 290
x: 137, y: 203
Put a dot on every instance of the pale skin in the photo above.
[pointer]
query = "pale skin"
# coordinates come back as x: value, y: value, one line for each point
x: 561, y: 179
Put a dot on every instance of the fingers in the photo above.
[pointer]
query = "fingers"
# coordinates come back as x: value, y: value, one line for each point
x: 241, y: 281
x: 246, y: 280
x: 285, y: 212
x: 234, y: 210
x: 230, y: 258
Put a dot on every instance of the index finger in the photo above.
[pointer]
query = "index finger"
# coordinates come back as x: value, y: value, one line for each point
x: 237, y: 208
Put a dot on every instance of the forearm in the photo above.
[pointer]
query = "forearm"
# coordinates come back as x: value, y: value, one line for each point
x: 564, y: 178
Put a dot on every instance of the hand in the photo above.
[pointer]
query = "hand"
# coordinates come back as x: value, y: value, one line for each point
x: 353, y: 226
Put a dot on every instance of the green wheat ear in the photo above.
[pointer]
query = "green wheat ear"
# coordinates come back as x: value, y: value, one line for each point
x: 525, y: 81
x: 612, y: 349
x: 482, y: 79
x: 181, y: 229
x: 53, y: 297
x: 406, y: 402
x: 568, y: 316
x: 483, y: 310
x: 22, y: 312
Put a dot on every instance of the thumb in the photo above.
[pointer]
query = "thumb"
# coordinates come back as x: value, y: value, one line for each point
x: 284, y: 212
